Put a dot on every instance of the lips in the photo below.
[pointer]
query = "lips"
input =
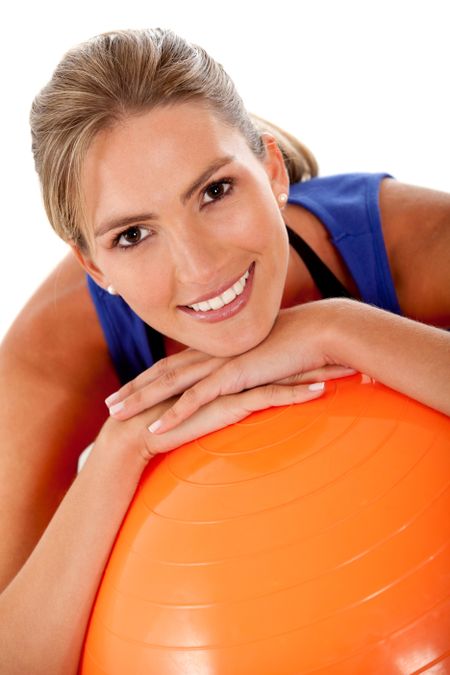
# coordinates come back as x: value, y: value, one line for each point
x: 226, y: 308
x: 224, y: 298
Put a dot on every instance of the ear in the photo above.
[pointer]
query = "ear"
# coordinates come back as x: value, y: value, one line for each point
x: 274, y: 165
x: 88, y: 264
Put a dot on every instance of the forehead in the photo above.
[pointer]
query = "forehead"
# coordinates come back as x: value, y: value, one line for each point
x: 159, y: 151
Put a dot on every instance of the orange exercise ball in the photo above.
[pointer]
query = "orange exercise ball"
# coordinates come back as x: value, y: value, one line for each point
x: 312, y: 538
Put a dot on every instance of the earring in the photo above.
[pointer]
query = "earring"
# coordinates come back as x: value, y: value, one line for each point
x: 282, y: 198
x: 111, y: 290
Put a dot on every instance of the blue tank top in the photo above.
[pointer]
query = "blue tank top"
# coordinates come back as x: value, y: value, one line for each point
x: 348, y: 207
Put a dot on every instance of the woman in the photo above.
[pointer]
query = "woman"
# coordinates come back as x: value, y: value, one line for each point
x: 176, y: 205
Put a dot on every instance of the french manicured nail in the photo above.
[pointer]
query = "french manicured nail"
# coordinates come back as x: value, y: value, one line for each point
x: 116, y: 408
x: 112, y: 398
x: 155, y: 426
x: 317, y: 386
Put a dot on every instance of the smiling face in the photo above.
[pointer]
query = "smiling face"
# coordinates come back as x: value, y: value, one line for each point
x: 183, y: 214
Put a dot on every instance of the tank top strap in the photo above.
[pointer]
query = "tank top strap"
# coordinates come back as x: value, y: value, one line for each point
x: 348, y: 206
x: 325, y: 280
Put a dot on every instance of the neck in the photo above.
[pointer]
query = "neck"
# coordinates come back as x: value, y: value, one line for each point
x: 299, y: 287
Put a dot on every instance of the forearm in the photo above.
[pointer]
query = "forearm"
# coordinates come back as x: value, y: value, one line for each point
x: 408, y: 356
x: 45, y: 610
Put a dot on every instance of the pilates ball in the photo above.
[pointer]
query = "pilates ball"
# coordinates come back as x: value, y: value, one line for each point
x: 312, y: 538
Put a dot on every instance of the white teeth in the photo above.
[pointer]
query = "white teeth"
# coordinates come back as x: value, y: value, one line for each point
x: 216, y: 303
x: 228, y: 296
x: 238, y: 287
x: 224, y: 298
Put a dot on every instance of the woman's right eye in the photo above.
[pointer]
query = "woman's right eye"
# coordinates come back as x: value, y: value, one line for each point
x: 131, y: 237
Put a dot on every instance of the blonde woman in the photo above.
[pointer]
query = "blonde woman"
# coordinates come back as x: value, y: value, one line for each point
x: 211, y: 251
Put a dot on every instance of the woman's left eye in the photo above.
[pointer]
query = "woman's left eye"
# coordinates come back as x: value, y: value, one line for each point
x: 217, y: 190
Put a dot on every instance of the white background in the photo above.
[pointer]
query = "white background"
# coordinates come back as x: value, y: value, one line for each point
x: 364, y: 84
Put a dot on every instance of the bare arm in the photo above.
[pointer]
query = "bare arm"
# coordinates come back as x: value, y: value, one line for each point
x: 416, y: 228
x: 304, y: 344
x: 45, y: 609
x: 53, y: 380
x: 407, y: 355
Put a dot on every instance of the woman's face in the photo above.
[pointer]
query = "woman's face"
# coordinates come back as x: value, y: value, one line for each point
x: 184, y: 214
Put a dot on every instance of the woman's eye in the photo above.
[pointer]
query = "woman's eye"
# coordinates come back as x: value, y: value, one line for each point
x: 216, y: 191
x: 132, y: 236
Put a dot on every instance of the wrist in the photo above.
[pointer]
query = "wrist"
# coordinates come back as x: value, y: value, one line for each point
x: 117, y: 454
x: 337, y: 321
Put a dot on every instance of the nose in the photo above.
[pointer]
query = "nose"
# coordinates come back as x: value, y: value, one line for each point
x: 197, y: 256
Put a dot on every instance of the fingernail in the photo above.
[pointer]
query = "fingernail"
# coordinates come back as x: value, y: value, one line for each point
x: 116, y: 408
x: 112, y: 398
x: 317, y: 386
x: 155, y: 426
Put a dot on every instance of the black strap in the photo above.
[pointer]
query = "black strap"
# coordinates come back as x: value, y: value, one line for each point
x: 156, y: 342
x: 327, y: 283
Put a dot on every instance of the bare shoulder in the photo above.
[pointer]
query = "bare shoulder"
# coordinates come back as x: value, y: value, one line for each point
x: 57, y: 336
x: 416, y: 227
x: 55, y: 373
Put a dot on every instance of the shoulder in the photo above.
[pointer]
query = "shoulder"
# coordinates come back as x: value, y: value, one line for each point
x: 343, y: 183
x: 347, y: 203
x: 56, y: 342
x: 416, y: 229
x: 404, y: 202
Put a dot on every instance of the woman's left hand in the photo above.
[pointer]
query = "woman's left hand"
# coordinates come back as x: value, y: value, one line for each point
x: 290, y: 356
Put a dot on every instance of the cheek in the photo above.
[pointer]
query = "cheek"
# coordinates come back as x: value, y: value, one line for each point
x: 259, y: 224
x: 274, y: 239
x: 143, y: 281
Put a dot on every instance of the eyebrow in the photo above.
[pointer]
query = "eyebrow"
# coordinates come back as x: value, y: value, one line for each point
x: 123, y: 221
x: 212, y: 168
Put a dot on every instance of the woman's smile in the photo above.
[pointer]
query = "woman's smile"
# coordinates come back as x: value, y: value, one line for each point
x: 225, y: 303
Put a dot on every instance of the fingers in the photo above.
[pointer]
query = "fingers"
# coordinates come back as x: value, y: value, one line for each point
x: 155, y: 371
x: 273, y: 395
x: 229, y: 378
x: 253, y: 399
x: 230, y: 409
x: 233, y: 377
x: 166, y: 378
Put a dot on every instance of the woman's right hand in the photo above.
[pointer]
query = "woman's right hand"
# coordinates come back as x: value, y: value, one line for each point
x: 133, y: 437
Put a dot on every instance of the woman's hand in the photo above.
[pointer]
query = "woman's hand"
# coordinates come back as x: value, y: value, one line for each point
x: 290, y: 358
x: 133, y: 435
x: 308, y: 343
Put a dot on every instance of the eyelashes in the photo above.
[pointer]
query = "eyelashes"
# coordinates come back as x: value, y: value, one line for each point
x: 131, y: 232
x: 216, y: 191
x: 219, y: 183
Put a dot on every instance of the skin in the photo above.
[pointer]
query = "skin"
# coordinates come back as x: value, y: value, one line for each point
x: 214, y: 374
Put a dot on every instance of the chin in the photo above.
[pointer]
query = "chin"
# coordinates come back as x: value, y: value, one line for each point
x: 234, y: 346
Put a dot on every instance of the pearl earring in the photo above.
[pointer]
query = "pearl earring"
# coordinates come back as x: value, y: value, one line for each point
x: 111, y: 290
x: 282, y: 198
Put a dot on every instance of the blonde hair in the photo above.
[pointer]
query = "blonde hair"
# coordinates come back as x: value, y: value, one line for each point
x: 118, y: 74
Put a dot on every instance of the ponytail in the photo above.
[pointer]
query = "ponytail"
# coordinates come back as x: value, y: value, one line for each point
x: 300, y: 162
